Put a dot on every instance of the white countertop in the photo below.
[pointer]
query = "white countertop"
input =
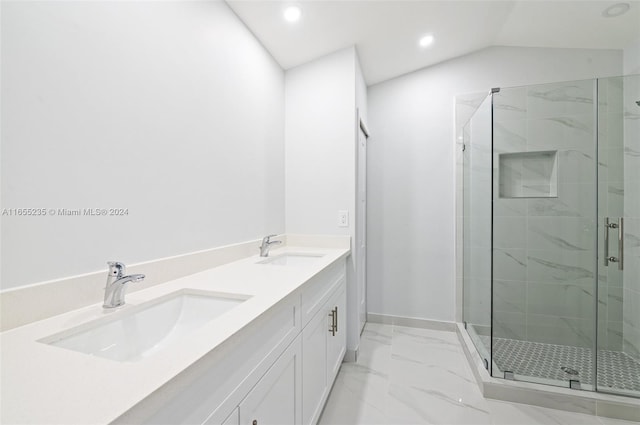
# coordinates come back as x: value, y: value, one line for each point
x: 45, y: 384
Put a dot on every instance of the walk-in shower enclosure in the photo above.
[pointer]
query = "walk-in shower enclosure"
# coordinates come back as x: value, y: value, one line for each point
x: 549, y: 232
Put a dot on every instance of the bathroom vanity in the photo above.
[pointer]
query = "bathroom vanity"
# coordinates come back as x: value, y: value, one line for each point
x: 271, y: 356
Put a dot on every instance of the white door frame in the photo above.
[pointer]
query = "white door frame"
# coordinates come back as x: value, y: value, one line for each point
x: 361, y: 223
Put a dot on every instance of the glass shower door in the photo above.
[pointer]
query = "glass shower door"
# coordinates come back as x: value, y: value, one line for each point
x: 618, y: 362
x: 544, y: 233
x: 476, y: 134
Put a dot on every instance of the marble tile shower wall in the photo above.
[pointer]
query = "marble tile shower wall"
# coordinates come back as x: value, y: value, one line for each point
x: 631, y: 279
x: 544, y: 248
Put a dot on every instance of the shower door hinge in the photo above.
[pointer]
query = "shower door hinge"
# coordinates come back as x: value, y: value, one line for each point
x: 495, y: 90
x: 574, y: 384
x: 509, y: 375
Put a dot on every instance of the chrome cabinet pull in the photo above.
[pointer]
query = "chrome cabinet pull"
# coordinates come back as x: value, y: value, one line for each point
x: 336, y: 315
x: 334, y: 321
x: 332, y: 326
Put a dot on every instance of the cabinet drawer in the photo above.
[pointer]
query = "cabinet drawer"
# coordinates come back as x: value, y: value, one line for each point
x: 317, y: 291
x: 233, y: 419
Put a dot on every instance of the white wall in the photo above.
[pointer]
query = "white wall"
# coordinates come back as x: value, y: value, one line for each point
x: 631, y: 61
x: 361, y: 91
x: 319, y: 149
x: 411, y: 168
x: 320, y: 154
x: 170, y: 109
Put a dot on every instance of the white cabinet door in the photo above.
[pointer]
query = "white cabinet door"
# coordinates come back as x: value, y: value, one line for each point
x: 314, y: 366
x: 233, y: 419
x: 337, y: 342
x: 277, y: 397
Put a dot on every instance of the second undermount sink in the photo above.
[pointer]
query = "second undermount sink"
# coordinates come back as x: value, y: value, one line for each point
x: 292, y: 259
x: 141, y: 331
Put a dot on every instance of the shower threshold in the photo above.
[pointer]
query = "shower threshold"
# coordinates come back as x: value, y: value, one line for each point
x: 600, y: 403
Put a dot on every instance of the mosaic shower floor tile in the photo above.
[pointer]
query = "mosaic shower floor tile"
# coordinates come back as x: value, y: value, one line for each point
x: 563, y: 363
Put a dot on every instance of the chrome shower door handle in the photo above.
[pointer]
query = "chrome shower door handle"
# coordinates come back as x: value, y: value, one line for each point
x: 620, y: 226
x: 621, y: 243
x: 606, y: 241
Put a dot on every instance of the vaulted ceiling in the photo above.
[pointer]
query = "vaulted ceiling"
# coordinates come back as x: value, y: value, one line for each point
x: 386, y: 33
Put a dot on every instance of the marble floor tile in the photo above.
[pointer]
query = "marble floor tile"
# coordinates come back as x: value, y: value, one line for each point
x: 426, y: 346
x: 375, y: 348
x: 349, y: 404
x: 611, y: 421
x: 420, y: 376
x: 505, y: 413
x: 415, y: 404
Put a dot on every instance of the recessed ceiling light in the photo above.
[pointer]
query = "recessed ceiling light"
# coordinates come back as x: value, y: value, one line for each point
x: 616, y: 10
x: 292, y: 14
x: 426, y: 40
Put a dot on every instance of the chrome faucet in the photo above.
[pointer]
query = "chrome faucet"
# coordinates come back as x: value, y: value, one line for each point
x: 266, y: 244
x: 117, y: 284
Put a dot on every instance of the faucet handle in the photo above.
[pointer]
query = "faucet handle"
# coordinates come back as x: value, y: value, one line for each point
x: 268, y: 238
x: 116, y: 268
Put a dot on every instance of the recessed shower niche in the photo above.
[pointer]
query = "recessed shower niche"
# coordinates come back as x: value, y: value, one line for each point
x: 528, y: 174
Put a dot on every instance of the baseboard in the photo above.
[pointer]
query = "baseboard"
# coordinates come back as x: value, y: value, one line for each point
x: 412, y: 322
x: 351, y: 356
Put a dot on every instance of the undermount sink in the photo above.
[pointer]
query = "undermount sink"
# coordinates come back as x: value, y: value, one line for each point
x: 292, y: 259
x: 143, y: 330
